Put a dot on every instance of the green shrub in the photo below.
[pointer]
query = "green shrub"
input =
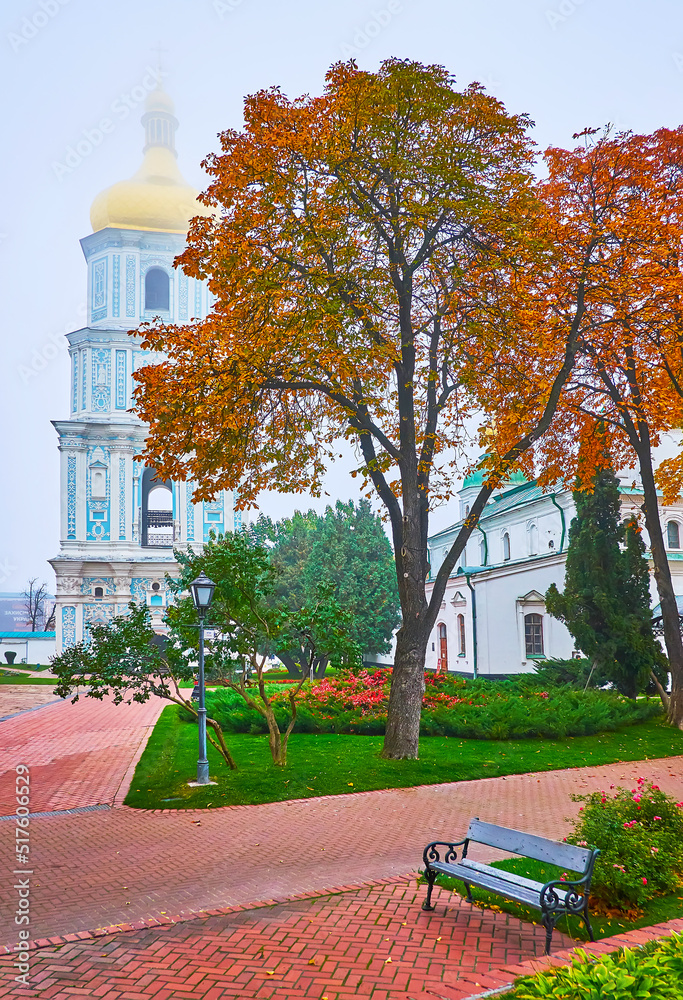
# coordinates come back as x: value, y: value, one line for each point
x: 640, y: 836
x: 513, y: 709
x: 654, y: 972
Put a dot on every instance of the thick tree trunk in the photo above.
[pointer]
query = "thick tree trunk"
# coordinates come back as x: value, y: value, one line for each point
x: 402, y: 735
x: 294, y: 669
x: 667, y: 597
x: 660, y: 691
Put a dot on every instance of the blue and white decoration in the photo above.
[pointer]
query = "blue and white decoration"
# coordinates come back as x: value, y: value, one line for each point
x: 120, y: 524
x: 68, y: 625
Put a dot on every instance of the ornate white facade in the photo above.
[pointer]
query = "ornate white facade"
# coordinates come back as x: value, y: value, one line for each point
x: 493, y: 615
x: 119, y: 523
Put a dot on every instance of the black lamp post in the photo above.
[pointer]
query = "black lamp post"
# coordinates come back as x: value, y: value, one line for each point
x: 202, y: 594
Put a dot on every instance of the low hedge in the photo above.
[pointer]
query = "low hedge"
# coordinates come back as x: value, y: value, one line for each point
x: 499, y: 710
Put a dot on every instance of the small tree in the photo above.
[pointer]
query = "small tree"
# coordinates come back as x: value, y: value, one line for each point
x: 605, y: 603
x: 123, y: 659
x: 250, y: 626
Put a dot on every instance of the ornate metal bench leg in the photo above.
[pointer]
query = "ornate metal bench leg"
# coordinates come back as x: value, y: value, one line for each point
x: 469, y: 893
x: 587, y: 922
x: 427, y: 905
x: 549, y: 925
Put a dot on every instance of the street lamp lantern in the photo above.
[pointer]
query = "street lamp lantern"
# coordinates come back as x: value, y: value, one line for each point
x: 202, y: 593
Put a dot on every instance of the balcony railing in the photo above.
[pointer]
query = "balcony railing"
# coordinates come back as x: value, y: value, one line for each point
x: 160, y: 528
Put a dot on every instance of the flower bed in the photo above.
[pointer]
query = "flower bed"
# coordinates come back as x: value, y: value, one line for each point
x: 452, y: 706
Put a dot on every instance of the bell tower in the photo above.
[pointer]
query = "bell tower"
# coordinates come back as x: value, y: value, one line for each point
x: 119, y: 522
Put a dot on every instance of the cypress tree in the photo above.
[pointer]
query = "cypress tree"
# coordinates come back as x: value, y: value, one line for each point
x: 606, y: 600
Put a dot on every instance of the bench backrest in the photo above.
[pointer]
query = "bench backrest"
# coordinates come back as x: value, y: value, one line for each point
x: 527, y: 845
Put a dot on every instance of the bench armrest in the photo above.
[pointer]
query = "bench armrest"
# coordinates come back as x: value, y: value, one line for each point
x: 432, y: 853
x: 575, y: 899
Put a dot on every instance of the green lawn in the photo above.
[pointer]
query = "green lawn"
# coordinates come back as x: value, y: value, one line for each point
x: 8, y: 678
x: 655, y: 912
x: 336, y: 764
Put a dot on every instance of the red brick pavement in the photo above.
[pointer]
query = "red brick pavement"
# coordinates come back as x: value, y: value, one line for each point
x: 78, y: 754
x: 374, y: 943
x: 122, y: 865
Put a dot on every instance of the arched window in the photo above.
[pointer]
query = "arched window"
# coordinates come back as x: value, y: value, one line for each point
x: 157, y: 511
x: 99, y: 592
x: 461, y: 635
x: 673, y: 535
x: 532, y: 533
x: 443, y: 648
x: 506, y: 546
x: 533, y: 635
x: 482, y: 552
x: 156, y: 289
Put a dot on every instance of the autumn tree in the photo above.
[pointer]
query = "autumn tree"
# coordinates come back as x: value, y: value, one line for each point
x: 630, y: 365
x: 381, y: 266
x: 347, y: 549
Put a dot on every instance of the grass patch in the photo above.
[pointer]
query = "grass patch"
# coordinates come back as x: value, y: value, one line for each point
x: 7, y: 678
x: 655, y: 911
x: 329, y: 764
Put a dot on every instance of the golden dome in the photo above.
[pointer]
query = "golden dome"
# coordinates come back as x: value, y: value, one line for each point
x: 157, y: 197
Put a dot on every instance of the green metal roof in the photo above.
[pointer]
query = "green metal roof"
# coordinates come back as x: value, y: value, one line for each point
x: 27, y: 635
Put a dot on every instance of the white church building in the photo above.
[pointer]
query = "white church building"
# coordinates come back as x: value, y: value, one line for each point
x: 119, y: 522
x: 493, y: 621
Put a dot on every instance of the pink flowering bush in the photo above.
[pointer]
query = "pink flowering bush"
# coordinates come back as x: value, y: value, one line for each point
x: 640, y: 835
x: 356, y: 702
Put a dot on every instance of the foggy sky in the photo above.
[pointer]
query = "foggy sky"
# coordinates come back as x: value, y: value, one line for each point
x: 67, y: 65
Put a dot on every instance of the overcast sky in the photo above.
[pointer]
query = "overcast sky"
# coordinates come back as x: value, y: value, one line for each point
x: 67, y: 65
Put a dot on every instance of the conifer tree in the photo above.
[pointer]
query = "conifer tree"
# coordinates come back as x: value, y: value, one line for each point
x: 606, y: 603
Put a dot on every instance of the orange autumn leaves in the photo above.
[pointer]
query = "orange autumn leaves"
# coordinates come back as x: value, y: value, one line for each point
x: 359, y: 236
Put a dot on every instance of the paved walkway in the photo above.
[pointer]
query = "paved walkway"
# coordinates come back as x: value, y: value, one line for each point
x: 20, y: 697
x: 374, y: 943
x: 121, y: 866
x: 79, y: 754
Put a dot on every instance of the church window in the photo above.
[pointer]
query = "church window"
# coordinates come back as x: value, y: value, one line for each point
x: 673, y: 535
x: 156, y: 586
x: 506, y: 546
x: 533, y: 634
x: 461, y: 635
x: 99, y: 592
x: 551, y: 544
x: 156, y: 289
x: 482, y: 553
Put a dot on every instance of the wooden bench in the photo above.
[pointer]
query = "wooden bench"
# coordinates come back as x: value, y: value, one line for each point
x: 554, y: 898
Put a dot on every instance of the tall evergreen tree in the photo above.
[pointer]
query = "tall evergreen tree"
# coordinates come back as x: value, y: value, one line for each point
x: 606, y: 600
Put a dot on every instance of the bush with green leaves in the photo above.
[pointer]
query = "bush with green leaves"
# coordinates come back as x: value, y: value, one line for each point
x: 640, y: 836
x: 452, y: 706
x: 654, y: 972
